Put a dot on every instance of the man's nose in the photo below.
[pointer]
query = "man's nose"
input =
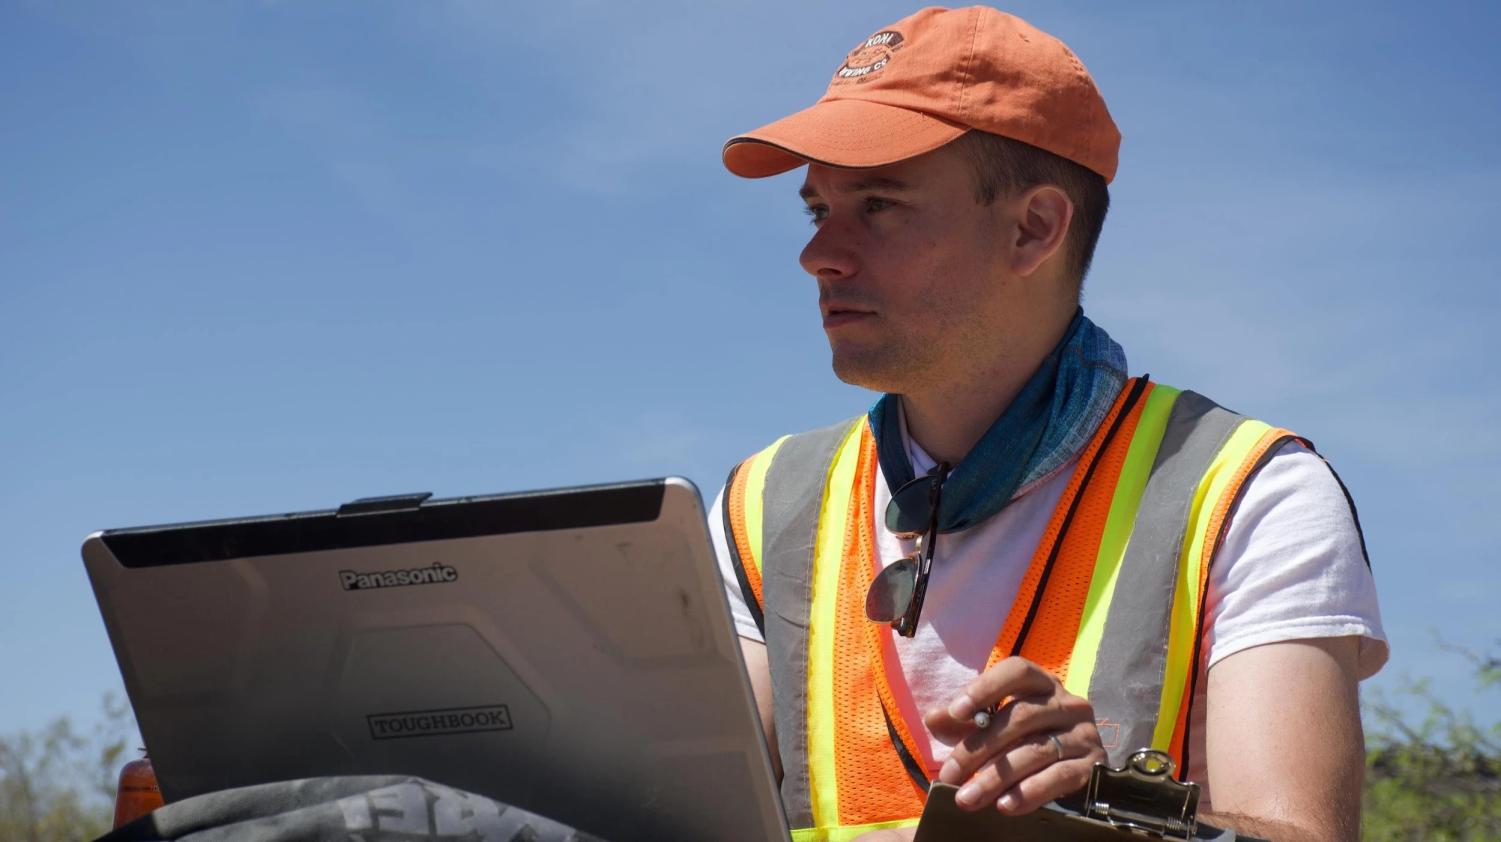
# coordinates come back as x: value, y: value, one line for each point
x: 831, y: 254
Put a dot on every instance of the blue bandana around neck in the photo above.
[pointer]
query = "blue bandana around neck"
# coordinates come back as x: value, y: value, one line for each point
x: 1049, y: 421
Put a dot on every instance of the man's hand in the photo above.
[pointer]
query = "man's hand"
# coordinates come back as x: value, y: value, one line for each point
x: 1040, y: 745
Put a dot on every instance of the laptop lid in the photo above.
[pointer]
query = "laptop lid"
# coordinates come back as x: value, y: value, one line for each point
x: 567, y: 651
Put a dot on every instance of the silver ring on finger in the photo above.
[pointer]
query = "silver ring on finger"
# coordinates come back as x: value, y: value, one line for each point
x: 1057, y: 745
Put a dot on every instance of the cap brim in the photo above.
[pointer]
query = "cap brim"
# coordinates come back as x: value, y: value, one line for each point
x: 850, y: 133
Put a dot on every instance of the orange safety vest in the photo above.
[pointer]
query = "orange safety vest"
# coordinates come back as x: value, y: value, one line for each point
x: 1111, y: 604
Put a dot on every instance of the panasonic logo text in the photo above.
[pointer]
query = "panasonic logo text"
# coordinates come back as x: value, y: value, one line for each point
x: 432, y: 723
x: 435, y: 574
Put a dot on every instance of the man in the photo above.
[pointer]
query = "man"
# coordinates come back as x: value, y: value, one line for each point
x: 1091, y: 562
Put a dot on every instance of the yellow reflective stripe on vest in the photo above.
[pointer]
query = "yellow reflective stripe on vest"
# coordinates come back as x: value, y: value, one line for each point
x: 844, y: 834
x: 1118, y: 526
x: 1185, y: 623
x: 755, y: 487
x: 828, y: 556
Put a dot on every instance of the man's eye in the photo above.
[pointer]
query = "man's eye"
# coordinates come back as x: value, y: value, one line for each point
x: 816, y: 213
x: 875, y: 203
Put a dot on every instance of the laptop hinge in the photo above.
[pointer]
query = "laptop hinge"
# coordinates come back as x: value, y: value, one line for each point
x: 388, y: 503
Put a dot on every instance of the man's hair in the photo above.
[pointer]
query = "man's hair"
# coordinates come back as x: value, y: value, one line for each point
x: 1004, y: 167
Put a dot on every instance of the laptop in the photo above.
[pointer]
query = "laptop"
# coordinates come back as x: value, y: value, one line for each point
x: 567, y: 651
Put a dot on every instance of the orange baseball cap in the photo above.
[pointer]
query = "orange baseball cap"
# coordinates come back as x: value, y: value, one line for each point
x: 928, y: 78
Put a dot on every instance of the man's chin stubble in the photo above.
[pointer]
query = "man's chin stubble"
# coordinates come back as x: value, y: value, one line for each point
x: 876, y: 372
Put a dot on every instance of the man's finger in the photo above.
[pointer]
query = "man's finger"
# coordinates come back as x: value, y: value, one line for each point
x: 951, y: 732
x: 1054, y: 781
x: 1008, y: 678
x: 1026, y: 726
x: 1004, y: 771
x: 1011, y: 677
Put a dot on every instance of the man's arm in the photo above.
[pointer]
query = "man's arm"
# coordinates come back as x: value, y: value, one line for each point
x: 1285, y: 750
x: 753, y: 652
x: 760, y: 678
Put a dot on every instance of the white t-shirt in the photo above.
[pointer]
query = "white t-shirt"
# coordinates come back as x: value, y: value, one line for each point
x: 1291, y: 568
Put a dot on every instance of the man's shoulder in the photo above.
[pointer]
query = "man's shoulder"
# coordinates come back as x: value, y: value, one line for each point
x: 1281, y: 469
x: 1197, y: 404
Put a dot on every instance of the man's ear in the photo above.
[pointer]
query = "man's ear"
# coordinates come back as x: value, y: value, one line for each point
x: 1044, y: 213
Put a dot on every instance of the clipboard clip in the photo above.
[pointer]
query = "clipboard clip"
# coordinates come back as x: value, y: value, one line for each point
x: 1142, y: 797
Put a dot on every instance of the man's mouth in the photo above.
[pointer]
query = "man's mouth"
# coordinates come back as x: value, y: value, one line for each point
x: 838, y: 316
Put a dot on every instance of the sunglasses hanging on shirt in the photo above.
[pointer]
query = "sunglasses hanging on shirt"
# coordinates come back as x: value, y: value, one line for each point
x: 896, y: 594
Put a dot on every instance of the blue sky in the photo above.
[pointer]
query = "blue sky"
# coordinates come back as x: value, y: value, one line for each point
x: 262, y: 257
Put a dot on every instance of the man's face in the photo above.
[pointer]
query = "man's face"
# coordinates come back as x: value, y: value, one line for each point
x: 910, y: 270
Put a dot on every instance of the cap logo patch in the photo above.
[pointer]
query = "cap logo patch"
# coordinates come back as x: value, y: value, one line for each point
x: 868, y: 58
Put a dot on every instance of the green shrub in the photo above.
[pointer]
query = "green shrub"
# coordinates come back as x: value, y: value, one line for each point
x: 1438, y: 778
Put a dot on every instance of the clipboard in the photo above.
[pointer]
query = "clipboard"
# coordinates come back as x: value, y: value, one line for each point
x: 1137, y: 801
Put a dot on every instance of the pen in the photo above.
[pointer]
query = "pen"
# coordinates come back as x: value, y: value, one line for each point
x: 983, y: 717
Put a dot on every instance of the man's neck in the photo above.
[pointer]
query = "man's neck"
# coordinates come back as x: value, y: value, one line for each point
x: 948, y: 418
x: 948, y: 422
